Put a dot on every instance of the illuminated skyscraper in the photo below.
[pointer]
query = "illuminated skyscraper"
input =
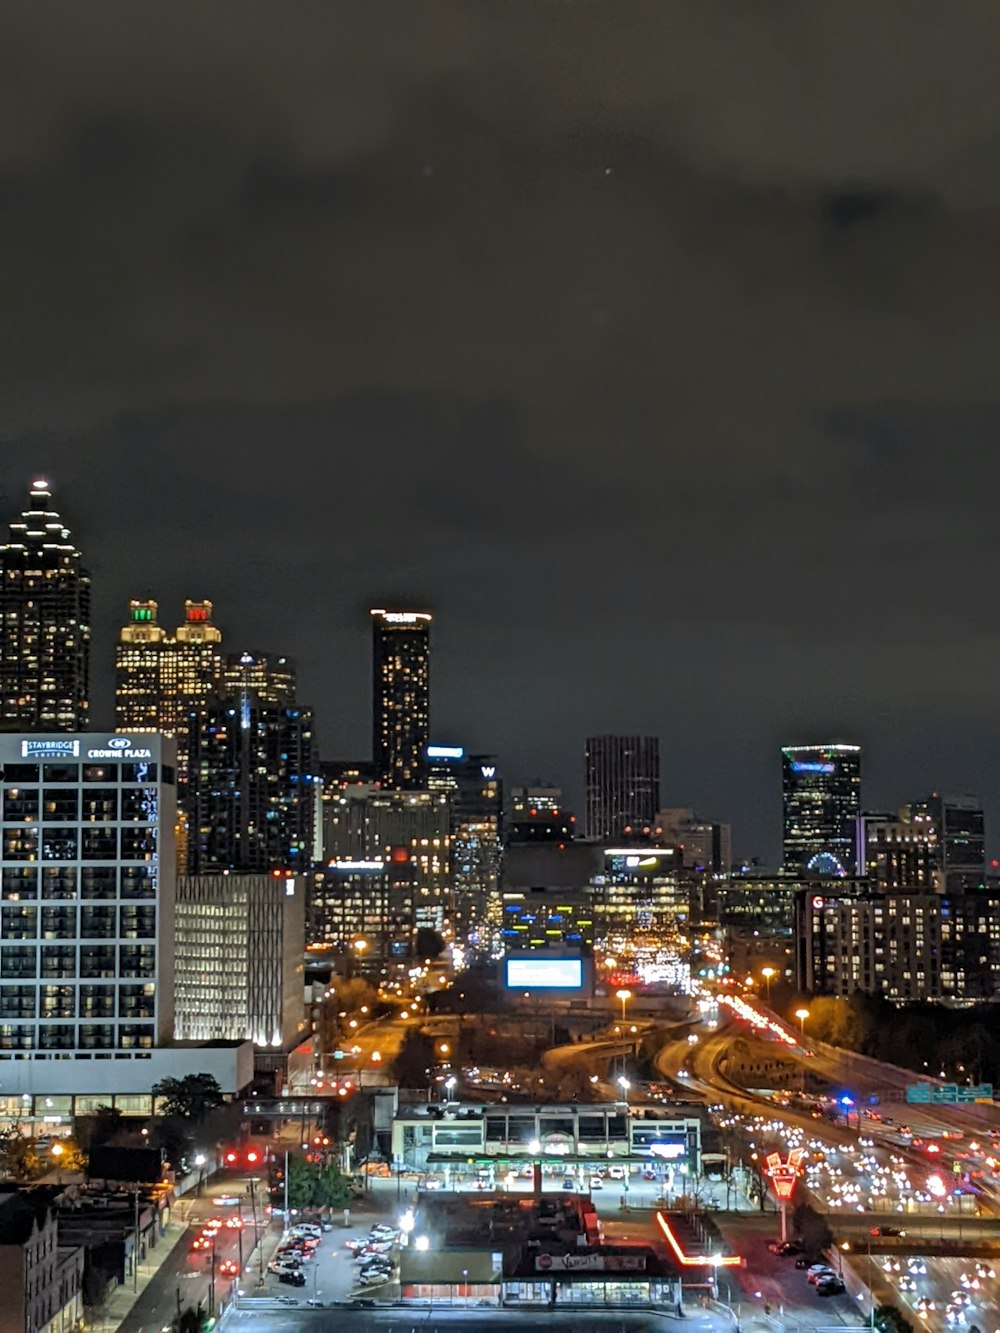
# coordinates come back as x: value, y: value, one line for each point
x: 44, y: 623
x: 250, y: 803
x: 269, y: 678
x: 160, y: 678
x: 821, y: 790
x: 401, y: 702
x: 623, y: 785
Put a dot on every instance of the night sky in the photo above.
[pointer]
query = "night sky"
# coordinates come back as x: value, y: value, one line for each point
x: 654, y: 347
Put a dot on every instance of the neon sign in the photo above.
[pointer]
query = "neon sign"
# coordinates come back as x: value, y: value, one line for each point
x: 695, y: 1260
x: 810, y: 766
x: 784, y: 1176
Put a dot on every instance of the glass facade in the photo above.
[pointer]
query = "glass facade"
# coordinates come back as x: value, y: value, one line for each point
x: 821, y: 789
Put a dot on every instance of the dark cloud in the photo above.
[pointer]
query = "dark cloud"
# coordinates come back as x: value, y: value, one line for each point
x: 653, y: 345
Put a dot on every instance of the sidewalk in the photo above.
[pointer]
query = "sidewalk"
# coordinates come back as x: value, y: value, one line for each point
x: 119, y: 1304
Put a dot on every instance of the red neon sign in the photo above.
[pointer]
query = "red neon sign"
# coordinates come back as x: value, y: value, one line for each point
x: 695, y: 1260
x: 785, y: 1175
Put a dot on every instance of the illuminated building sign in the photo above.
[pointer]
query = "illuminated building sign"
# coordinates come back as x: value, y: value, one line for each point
x: 668, y: 1151
x: 785, y: 1174
x: 349, y: 867
x: 120, y: 747
x: 544, y: 973
x: 590, y: 1263
x: 812, y: 766
x: 488, y: 770
x: 61, y: 749
x: 445, y: 752
x: 947, y: 1094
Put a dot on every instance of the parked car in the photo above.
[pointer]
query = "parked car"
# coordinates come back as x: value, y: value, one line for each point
x: 292, y: 1279
x: 784, y: 1247
x: 306, y: 1229
x: 616, y: 1172
x: 569, y: 1183
x: 596, y: 1183
x: 369, y: 1279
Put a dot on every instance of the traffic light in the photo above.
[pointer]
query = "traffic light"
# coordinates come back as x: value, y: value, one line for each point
x: 253, y: 1157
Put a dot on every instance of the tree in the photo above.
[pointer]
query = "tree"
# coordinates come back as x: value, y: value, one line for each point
x: 890, y: 1319
x: 191, y: 1097
x: 429, y: 943
x: 416, y: 1056
x: 19, y: 1159
x: 811, y: 1228
x: 331, y: 1189
x: 301, y: 1183
x: 191, y: 1320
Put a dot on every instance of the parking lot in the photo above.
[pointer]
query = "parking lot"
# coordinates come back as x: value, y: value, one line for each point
x: 331, y: 1271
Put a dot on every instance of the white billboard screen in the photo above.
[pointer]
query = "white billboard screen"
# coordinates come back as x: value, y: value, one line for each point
x: 544, y: 973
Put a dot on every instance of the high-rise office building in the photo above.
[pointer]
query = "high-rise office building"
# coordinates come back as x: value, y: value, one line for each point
x: 269, y: 678
x: 705, y: 847
x: 44, y: 623
x: 401, y: 697
x: 957, y: 824
x: 821, y: 789
x: 623, y: 785
x: 393, y: 849
x: 898, y: 853
x: 160, y: 679
x: 251, y: 802
x: 475, y: 796
x: 86, y: 959
x: 238, y: 959
x: 538, y: 814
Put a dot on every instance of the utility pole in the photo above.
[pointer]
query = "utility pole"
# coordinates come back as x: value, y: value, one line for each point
x: 135, y: 1248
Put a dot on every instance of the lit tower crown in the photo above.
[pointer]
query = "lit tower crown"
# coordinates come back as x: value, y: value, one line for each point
x: 44, y: 623
x: 138, y: 664
x: 401, y: 697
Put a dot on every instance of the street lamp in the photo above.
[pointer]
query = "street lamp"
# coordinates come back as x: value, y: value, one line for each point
x: 623, y: 995
x: 767, y: 973
x: 449, y: 1086
x: 57, y: 1152
x: 802, y: 1015
x: 624, y: 1084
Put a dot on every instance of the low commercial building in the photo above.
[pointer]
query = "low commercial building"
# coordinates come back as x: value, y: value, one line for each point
x: 460, y: 1140
x: 523, y: 1252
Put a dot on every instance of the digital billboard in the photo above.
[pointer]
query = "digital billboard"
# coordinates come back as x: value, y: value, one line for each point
x: 543, y: 973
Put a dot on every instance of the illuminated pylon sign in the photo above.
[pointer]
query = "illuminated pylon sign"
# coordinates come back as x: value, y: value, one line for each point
x: 784, y: 1175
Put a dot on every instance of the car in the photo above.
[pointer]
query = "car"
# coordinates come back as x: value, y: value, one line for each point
x: 804, y: 1261
x: 292, y: 1279
x: 227, y: 1201
x: 372, y: 1279
x: 887, y: 1231
x: 830, y: 1286
x: 432, y: 1183
x: 569, y: 1183
x: 376, y: 1246
x: 229, y: 1268
x: 384, y: 1230
x: 278, y: 1268
x: 616, y: 1172
x: 354, y: 1244
x: 305, y: 1229
x: 596, y: 1183
x: 818, y: 1272
x: 784, y: 1247
x: 907, y: 1283
x: 377, y: 1265
x: 201, y: 1243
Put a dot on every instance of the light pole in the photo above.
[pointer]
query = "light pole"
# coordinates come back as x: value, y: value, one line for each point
x: 802, y: 1015
x: 768, y: 973
x: 57, y: 1152
x: 624, y: 1084
x: 199, y: 1160
x: 623, y: 995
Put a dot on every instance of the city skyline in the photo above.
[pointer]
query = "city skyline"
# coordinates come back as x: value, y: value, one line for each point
x: 888, y: 791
